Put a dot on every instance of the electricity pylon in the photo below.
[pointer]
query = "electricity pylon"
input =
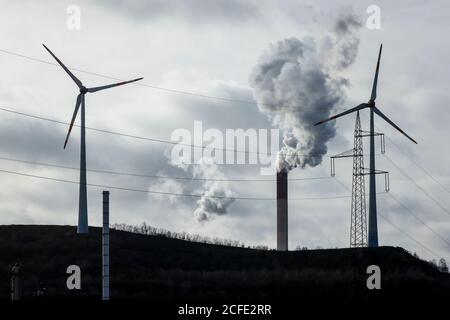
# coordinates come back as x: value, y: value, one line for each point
x: 358, y: 225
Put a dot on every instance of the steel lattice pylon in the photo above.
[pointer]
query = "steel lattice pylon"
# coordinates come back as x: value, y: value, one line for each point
x: 358, y: 226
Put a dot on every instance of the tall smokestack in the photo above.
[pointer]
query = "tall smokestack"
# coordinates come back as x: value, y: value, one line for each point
x: 282, y: 210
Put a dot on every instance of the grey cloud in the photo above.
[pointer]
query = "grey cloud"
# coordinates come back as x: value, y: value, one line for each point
x: 31, y: 139
x: 191, y: 10
x: 347, y: 39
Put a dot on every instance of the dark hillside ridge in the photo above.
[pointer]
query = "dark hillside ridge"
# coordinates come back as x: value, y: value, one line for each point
x: 160, y: 268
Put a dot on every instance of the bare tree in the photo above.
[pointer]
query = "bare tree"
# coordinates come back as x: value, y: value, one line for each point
x: 153, y: 231
x: 442, y: 266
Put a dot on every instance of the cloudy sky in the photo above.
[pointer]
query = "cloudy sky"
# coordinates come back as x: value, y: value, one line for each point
x: 211, y: 48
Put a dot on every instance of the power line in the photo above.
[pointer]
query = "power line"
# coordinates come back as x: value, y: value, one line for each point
x: 418, y: 186
x: 392, y: 224
x: 413, y: 181
x: 419, y: 219
x: 141, y: 137
x: 342, y: 184
x: 419, y: 166
x: 143, y: 84
x: 410, y: 237
x: 182, y: 92
x: 197, y: 95
x: 162, y: 192
x: 415, y: 162
x: 149, y: 175
x: 33, y: 116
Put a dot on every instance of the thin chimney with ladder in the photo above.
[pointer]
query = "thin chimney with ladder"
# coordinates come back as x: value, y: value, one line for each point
x: 105, y: 251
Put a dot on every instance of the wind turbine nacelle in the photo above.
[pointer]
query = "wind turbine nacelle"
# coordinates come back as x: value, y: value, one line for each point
x: 83, y: 90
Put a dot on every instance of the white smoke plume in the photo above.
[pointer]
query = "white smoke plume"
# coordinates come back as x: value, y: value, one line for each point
x: 217, y: 195
x: 207, y: 206
x: 297, y: 83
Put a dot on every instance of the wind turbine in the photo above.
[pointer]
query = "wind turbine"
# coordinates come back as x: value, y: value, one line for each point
x: 373, y: 229
x: 82, y: 204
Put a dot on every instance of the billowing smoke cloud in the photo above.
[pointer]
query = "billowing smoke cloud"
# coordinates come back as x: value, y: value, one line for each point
x: 297, y: 83
x: 217, y: 195
x: 207, y: 206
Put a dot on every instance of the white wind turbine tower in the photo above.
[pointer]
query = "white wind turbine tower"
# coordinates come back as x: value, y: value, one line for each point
x: 82, y: 207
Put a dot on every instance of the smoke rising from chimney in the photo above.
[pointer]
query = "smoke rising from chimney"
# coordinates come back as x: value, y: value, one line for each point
x: 297, y: 83
x: 207, y: 206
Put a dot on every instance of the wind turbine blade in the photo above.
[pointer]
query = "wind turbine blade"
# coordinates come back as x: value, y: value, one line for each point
x: 378, y: 112
x: 75, y: 79
x: 375, y: 80
x: 77, y: 106
x: 358, y: 107
x: 95, y: 89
